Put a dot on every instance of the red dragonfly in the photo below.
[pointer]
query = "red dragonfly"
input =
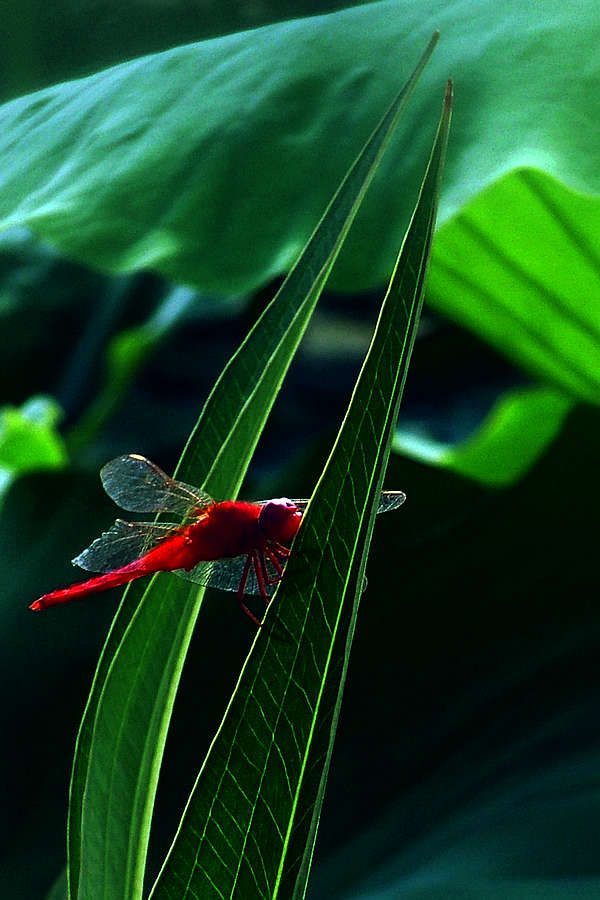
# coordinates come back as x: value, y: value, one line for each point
x: 232, y: 545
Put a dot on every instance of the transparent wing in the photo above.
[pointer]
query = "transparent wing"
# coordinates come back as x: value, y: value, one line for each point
x: 138, y: 485
x: 226, y: 574
x: 389, y: 500
x: 120, y: 545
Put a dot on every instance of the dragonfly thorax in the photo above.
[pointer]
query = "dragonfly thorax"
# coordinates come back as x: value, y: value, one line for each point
x: 279, y: 520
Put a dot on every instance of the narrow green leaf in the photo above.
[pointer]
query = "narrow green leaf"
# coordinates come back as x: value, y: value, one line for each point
x: 249, y: 828
x: 122, y: 735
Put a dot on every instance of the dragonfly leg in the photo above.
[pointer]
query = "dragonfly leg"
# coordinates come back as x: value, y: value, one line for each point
x: 278, y: 555
x: 277, y: 565
x: 261, y: 573
x: 242, y: 587
x: 279, y: 549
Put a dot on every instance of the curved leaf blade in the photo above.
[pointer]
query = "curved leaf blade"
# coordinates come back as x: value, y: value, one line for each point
x: 250, y: 824
x: 518, y: 430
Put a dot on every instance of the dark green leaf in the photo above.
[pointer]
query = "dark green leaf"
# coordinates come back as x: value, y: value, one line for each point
x: 469, y: 744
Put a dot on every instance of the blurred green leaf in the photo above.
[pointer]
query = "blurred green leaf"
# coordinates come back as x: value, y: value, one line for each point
x: 29, y: 439
x: 43, y: 318
x: 153, y: 164
x: 519, y: 266
x: 123, y: 731
x: 126, y: 354
x: 511, y: 439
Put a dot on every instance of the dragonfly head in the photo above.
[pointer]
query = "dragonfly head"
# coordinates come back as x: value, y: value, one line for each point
x: 279, y: 520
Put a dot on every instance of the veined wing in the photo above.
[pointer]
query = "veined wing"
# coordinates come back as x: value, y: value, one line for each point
x: 390, y: 500
x: 121, y: 544
x: 225, y: 574
x: 387, y: 501
x: 139, y: 485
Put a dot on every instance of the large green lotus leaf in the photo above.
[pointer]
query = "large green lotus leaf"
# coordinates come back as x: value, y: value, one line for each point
x: 519, y: 266
x: 173, y: 160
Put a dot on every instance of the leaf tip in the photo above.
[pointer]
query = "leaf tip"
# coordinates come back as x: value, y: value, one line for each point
x: 449, y: 93
x: 435, y: 36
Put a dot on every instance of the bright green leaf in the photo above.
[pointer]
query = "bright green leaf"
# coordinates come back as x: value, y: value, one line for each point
x: 519, y: 266
x: 250, y: 825
x: 29, y: 439
x: 123, y: 731
x: 511, y: 439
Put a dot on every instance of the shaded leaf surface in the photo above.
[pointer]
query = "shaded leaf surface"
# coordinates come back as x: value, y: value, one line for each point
x: 483, y: 649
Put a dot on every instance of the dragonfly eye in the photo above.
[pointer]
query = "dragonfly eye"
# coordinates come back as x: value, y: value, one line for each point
x: 279, y: 519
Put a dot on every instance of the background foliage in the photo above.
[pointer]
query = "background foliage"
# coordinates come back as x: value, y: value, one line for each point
x: 468, y: 745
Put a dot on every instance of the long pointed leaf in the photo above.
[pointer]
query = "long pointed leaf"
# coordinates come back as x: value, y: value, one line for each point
x: 122, y: 735
x: 250, y: 824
